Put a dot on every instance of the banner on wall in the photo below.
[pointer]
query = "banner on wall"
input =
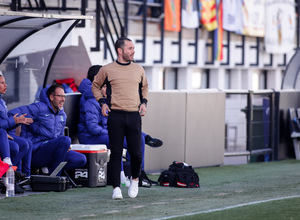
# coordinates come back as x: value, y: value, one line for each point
x: 189, y: 14
x: 172, y: 15
x: 233, y: 16
x: 280, y: 26
x: 209, y: 14
x: 219, y: 32
x: 254, y: 18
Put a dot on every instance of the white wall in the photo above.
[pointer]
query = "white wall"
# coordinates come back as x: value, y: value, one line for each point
x: 191, y: 124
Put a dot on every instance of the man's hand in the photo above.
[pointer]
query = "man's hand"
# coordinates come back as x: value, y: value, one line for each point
x: 105, y: 109
x: 9, y: 137
x: 22, y: 120
x: 142, y: 109
x: 28, y: 121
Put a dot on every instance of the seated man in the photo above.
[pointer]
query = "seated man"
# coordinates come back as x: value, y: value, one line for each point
x: 50, y: 146
x: 92, y: 127
x: 20, y: 148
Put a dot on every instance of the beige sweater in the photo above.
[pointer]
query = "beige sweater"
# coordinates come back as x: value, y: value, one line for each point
x: 125, y: 84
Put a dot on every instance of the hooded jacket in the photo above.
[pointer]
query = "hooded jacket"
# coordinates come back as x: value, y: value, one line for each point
x: 47, y: 124
x: 91, y: 120
x: 6, y: 122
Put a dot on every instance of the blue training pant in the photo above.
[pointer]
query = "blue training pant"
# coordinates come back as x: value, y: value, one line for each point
x: 51, y: 153
x: 4, y: 145
x: 142, y: 150
x: 19, y: 150
x: 25, y: 153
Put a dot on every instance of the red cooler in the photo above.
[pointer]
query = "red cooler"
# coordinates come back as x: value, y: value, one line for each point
x: 94, y: 173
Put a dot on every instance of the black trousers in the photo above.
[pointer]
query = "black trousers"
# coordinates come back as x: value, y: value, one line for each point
x: 122, y: 124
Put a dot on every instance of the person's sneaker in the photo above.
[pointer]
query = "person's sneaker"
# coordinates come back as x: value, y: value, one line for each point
x: 19, y: 176
x: 133, y: 188
x: 145, y: 183
x: 25, y: 181
x: 117, y: 193
x: 45, y: 170
x: 27, y: 188
x: 18, y: 189
x: 125, y: 182
x: 153, y: 183
x: 153, y: 142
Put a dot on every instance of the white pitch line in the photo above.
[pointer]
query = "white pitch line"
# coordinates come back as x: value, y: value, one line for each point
x: 229, y: 207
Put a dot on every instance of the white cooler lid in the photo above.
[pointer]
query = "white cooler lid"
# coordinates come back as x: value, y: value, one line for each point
x: 88, y: 147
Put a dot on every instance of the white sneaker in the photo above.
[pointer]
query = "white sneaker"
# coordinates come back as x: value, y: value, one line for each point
x: 7, y: 160
x: 117, y: 193
x: 133, y: 188
x: 145, y: 183
x: 125, y: 182
x: 45, y: 170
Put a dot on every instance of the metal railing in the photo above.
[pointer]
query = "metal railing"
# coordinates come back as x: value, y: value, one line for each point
x: 105, y: 11
x: 249, y: 124
x: 41, y: 5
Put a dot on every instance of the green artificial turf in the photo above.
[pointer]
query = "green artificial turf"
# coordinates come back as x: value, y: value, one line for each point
x: 252, y: 191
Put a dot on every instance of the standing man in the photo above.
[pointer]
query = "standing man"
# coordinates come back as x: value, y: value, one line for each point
x: 126, y: 102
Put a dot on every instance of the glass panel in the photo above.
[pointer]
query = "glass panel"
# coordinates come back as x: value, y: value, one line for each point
x: 25, y: 67
x: 261, y: 121
x: 236, y: 123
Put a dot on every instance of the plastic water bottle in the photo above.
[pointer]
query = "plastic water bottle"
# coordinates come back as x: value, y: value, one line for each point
x: 10, y: 182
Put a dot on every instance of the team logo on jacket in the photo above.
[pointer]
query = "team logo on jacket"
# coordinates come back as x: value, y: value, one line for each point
x: 61, y: 118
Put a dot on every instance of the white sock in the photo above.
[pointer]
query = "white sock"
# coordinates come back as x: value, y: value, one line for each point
x: 122, y: 176
x: 7, y: 160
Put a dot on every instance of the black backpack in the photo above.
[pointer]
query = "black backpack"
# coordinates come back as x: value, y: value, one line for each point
x: 179, y: 175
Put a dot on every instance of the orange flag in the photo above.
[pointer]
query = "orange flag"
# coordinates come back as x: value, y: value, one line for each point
x: 172, y: 15
x: 219, y: 32
x: 209, y: 15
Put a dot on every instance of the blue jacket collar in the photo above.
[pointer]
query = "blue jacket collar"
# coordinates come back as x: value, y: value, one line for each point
x: 44, y: 98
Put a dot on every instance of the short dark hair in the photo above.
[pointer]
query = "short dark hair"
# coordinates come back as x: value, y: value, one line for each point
x: 51, y: 89
x: 120, y: 43
x: 92, y: 72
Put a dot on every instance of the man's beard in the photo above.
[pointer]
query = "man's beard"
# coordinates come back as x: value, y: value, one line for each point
x: 57, y: 108
x: 127, y: 58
